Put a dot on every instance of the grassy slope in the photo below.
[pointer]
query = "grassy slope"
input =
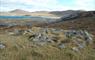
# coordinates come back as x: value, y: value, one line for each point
x: 81, y: 23
x: 20, y: 48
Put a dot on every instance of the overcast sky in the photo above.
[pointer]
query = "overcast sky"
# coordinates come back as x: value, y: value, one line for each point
x: 47, y: 5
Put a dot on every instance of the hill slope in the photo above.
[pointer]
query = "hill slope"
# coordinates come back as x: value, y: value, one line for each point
x: 80, y: 23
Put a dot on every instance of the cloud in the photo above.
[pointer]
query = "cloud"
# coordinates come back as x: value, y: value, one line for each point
x: 33, y: 5
x: 37, y: 5
x: 43, y: 3
x: 85, y: 4
x: 30, y: 4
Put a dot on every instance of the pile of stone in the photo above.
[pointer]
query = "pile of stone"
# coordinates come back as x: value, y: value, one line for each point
x: 75, y: 39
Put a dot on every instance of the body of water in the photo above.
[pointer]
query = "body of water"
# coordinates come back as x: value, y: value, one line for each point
x: 15, y: 17
x: 33, y: 18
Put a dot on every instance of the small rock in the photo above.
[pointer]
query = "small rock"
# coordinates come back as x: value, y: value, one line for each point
x: 81, y: 45
x: 2, y: 46
x: 61, y: 46
x: 75, y: 49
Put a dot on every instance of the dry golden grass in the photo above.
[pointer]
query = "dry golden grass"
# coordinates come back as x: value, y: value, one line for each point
x: 20, y: 48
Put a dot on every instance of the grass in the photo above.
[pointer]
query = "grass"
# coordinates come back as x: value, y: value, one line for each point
x: 19, y: 48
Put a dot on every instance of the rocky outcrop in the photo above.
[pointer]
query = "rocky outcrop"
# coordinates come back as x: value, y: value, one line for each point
x: 78, y: 14
x: 75, y: 39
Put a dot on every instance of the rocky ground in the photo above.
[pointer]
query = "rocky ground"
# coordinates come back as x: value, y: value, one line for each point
x: 46, y: 44
x: 70, y: 38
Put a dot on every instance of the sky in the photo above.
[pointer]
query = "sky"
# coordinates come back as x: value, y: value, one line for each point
x: 47, y: 5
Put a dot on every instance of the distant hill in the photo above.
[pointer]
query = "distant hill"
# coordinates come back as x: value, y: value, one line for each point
x: 73, y: 13
x: 62, y: 13
x: 19, y: 11
x: 16, y: 12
